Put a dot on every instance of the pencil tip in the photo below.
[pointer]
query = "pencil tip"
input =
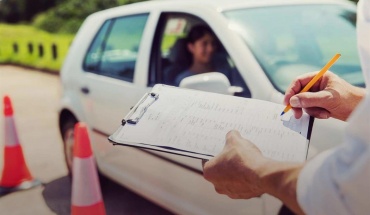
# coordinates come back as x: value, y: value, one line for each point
x: 282, y: 113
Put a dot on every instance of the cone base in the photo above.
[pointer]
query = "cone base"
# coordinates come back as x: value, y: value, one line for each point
x: 95, y: 209
x: 23, y: 186
x: 15, y: 170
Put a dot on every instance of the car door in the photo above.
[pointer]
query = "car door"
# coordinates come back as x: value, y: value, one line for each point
x: 110, y: 66
x: 168, y: 59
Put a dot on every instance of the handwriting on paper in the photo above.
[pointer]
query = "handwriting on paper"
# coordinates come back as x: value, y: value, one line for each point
x: 198, y: 122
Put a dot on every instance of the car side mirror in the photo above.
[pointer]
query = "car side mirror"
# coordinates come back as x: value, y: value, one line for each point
x: 211, y: 82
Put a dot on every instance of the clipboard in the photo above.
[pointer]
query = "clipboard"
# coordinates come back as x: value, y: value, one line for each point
x: 138, y: 116
x: 140, y: 108
x: 143, y: 108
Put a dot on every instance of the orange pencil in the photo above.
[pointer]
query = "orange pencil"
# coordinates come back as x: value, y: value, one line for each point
x: 314, y: 80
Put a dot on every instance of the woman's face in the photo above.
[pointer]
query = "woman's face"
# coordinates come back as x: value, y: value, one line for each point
x: 203, y: 49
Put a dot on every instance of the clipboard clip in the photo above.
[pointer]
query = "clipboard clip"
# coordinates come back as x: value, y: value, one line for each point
x: 134, y: 121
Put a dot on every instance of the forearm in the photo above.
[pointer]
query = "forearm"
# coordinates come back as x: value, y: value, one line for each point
x: 280, y: 180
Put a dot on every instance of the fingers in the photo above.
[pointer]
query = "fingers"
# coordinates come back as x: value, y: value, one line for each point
x: 232, y: 138
x: 297, y: 112
x: 314, y: 104
x: 319, y: 113
x: 204, y: 162
x: 208, y: 170
x: 297, y: 85
x: 316, y: 112
x: 311, y: 99
x: 233, y: 134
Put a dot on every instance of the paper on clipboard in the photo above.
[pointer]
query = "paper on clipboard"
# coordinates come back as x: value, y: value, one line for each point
x: 195, y: 123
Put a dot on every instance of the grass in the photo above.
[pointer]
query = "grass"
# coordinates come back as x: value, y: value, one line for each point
x: 29, y: 46
x: 21, y: 44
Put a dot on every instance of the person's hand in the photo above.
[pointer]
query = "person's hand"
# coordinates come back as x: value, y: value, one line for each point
x: 233, y: 171
x: 331, y: 96
x: 240, y: 171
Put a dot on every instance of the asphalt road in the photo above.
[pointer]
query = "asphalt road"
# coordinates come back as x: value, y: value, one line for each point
x: 35, y: 97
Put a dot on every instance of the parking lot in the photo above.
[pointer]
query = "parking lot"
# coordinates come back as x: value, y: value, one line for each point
x: 35, y: 96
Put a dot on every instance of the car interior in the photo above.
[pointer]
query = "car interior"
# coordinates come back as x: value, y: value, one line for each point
x: 173, y: 57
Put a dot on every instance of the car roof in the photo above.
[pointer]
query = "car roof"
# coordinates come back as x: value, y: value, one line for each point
x: 222, y: 5
x: 217, y: 5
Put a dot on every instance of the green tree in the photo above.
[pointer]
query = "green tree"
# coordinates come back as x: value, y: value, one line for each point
x: 13, y: 11
x: 69, y: 15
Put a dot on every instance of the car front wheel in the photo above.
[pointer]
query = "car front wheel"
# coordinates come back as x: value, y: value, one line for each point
x: 68, y: 141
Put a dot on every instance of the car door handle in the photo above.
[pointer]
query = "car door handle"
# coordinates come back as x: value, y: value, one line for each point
x: 85, y: 90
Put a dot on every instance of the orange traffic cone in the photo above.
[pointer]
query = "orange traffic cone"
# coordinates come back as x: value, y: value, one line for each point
x: 86, y: 193
x: 16, y: 175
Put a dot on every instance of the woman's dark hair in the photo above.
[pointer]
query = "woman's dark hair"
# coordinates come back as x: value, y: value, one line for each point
x: 197, y: 32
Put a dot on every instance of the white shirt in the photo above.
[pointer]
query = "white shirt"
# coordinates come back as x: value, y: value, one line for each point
x: 338, y: 181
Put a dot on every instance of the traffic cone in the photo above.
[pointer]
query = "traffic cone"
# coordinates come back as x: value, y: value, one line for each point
x: 86, y: 193
x: 16, y: 175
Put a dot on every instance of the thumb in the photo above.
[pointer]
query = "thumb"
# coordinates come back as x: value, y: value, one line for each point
x: 232, y: 138
x: 310, y: 99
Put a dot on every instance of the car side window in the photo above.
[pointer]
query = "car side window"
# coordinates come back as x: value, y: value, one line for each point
x: 170, y: 56
x: 92, y: 59
x: 118, y: 50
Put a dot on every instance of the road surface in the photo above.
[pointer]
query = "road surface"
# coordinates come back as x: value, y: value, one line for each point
x: 35, y: 97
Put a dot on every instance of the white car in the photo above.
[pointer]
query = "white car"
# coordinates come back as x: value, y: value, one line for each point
x: 120, y: 53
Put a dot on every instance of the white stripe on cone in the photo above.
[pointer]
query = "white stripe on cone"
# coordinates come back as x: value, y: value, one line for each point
x: 85, y: 184
x: 11, y: 137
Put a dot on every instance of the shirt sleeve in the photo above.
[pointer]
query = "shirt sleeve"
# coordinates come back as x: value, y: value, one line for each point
x: 338, y: 181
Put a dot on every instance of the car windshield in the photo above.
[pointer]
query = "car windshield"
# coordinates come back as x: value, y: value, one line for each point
x: 289, y: 41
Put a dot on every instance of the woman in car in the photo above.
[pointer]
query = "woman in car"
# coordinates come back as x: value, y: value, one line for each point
x: 201, y: 43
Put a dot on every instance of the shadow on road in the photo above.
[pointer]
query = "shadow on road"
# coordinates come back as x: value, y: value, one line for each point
x: 57, y: 195
x: 117, y: 199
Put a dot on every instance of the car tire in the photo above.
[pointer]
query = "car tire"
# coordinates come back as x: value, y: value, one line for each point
x: 67, y: 130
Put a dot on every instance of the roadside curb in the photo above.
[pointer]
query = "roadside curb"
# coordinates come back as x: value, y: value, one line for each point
x: 46, y: 71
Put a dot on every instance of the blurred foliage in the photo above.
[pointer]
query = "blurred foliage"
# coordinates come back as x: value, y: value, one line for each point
x: 69, y: 15
x: 56, y: 16
x: 58, y: 20
x: 29, y: 46
x: 54, y: 24
x: 14, y: 11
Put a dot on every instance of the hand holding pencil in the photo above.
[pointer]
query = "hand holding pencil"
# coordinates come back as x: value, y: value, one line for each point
x: 329, y: 96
